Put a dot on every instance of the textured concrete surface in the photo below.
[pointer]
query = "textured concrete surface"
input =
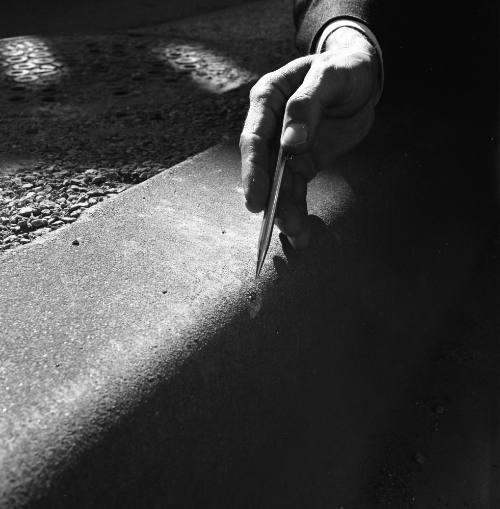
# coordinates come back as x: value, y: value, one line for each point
x: 144, y: 367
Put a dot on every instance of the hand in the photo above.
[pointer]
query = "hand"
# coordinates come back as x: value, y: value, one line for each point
x: 328, y: 102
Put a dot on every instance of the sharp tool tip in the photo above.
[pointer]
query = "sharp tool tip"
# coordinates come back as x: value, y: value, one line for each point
x: 260, y: 262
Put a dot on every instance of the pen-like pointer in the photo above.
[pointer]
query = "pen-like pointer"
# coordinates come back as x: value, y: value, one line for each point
x: 266, y: 229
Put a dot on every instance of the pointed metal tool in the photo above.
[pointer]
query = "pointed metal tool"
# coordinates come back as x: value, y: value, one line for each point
x: 266, y: 228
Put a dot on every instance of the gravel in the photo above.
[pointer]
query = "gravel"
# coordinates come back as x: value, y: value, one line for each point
x: 26, y: 215
x: 103, y: 113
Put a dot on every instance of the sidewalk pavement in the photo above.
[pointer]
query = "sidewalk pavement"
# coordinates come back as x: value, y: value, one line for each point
x: 143, y: 366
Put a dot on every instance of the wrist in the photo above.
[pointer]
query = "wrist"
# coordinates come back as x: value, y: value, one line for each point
x: 346, y: 43
x: 345, y: 37
x: 348, y: 39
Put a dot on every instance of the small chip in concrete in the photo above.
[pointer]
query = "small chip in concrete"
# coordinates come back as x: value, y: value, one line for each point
x: 254, y: 303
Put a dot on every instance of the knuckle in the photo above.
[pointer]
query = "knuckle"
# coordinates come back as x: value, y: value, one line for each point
x: 322, y: 64
x: 302, y: 98
x: 262, y: 90
x: 333, y: 67
x: 248, y: 141
x: 299, y: 103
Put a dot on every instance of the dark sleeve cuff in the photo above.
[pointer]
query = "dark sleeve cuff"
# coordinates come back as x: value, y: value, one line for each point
x: 311, y: 17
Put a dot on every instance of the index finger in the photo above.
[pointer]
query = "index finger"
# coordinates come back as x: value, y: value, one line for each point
x: 262, y: 127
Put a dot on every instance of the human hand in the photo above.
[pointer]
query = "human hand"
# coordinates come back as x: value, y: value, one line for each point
x: 327, y: 105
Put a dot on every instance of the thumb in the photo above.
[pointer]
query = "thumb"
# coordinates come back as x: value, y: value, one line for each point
x: 323, y: 87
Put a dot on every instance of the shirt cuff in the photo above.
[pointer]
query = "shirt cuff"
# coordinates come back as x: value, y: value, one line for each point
x: 360, y: 27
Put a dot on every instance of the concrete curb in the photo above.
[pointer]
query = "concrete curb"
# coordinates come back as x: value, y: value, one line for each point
x: 144, y: 367
x: 184, y: 266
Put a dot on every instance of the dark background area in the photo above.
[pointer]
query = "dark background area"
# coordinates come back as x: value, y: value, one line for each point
x: 94, y: 16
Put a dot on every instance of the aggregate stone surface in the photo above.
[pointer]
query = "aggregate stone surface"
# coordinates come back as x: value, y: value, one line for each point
x: 85, y: 117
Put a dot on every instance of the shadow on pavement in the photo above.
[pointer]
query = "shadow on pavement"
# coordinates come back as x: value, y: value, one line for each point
x: 315, y: 402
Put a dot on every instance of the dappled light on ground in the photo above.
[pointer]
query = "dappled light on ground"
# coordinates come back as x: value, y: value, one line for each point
x: 86, y: 116
x: 29, y: 60
x: 209, y: 70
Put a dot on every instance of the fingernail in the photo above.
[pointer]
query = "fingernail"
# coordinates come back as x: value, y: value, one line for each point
x: 294, y: 134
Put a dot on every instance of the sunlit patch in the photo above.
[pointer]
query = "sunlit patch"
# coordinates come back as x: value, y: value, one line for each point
x: 28, y: 60
x: 211, y: 71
